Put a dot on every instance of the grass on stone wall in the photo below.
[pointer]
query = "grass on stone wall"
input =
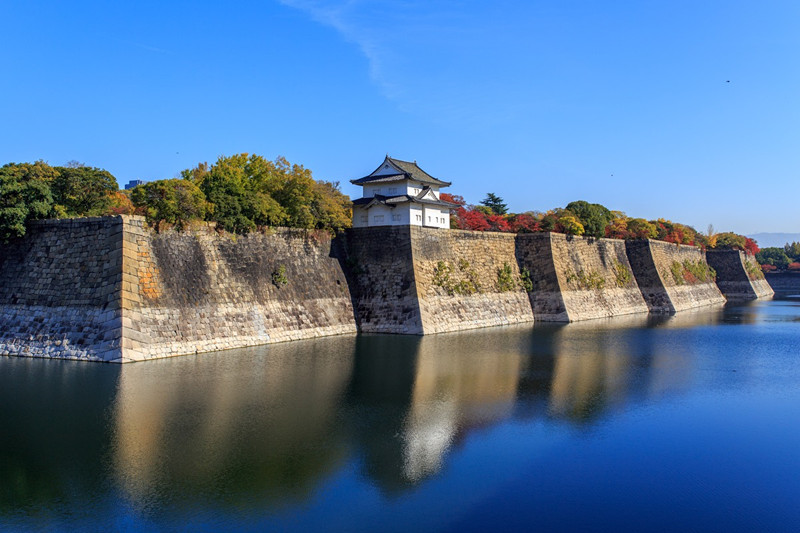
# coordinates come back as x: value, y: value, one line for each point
x: 622, y: 274
x: 279, y: 278
x: 692, y: 272
x: 464, y: 282
x: 754, y: 271
x: 505, y: 278
x: 525, y: 280
x: 586, y: 280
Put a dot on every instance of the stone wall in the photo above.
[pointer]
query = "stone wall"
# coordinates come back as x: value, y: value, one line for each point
x: 578, y: 278
x: 199, y: 291
x: 660, y: 271
x: 784, y: 282
x: 467, y: 279
x: 111, y: 289
x: 381, y: 272
x: 58, y: 290
x: 739, y: 277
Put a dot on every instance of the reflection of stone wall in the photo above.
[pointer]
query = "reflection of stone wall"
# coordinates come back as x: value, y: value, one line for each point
x: 739, y: 276
x: 652, y: 262
x: 58, y: 290
x: 578, y: 278
x: 262, y: 426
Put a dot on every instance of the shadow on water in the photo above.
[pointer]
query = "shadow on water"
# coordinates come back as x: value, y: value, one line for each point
x: 265, y: 427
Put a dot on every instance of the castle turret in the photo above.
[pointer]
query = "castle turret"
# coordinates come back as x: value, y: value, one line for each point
x: 399, y: 193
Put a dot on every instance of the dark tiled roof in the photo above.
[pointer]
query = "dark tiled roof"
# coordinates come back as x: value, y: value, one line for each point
x: 401, y: 199
x: 408, y: 170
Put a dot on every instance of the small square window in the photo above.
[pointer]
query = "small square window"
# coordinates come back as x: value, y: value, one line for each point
x: 396, y: 218
x: 364, y: 218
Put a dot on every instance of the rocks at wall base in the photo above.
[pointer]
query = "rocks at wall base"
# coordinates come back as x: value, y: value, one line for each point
x: 739, y: 276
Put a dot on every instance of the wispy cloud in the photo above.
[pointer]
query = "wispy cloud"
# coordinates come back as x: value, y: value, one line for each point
x: 445, y: 60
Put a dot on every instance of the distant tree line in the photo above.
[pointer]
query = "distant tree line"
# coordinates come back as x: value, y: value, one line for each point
x: 775, y: 258
x: 240, y: 193
x: 588, y: 219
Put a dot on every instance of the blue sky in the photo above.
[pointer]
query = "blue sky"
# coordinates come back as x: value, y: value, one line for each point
x: 681, y: 109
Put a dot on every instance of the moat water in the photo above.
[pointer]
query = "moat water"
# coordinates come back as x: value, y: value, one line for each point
x: 683, y: 423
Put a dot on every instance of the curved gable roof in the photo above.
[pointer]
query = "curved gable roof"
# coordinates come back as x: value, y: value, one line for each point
x: 404, y: 170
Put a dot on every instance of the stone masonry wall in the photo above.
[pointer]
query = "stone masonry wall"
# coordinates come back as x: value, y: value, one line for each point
x: 578, y: 278
x: 382, y: 280
x: 188, y: 292
x: 784, y: 282
x: 739, y: 276
x: 58, y: 290
x: 467, y: 279
x: 652, y: 263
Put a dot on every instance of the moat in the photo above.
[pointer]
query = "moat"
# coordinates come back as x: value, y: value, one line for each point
x: 688, y: 422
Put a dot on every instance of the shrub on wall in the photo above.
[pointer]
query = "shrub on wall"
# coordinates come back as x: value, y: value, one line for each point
x: 622, y: 273
x: 505, y: 278
x: 586, y: 280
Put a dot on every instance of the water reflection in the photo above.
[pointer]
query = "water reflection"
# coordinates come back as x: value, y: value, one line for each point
x: 267, y: 427
x: 245, y: 426
x: 423, y: 394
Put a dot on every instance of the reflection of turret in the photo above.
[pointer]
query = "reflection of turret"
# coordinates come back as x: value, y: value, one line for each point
x: 259, y: 422
x: 443, y: 386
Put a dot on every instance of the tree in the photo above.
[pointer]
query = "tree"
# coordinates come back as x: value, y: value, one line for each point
x: 617, y: 228
x: 175, y: 201
x: 82, y: 190
x: 249, y: 191
x: 731, y: 241
x: 472, y: 219
x: 570, y: 225
x: 525, y: 223
x: 773, y: 256
x: 594, y: 217
x: 639, y: 228
x: 792, y: 250
x: 25, y: 195
x: 120, y: 204
x: 495, y: 203
x: 331, y: 209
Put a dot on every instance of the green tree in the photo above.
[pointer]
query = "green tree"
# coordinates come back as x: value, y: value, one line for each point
x: 175, y: 201
x: 495, y: 203
x: 594, y: 217
x: 82, y: 190
x: 730, y: 241
x: 25, y: 195
x: 331, y: 209
x: 792, y: 250
x: 773, y: 256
